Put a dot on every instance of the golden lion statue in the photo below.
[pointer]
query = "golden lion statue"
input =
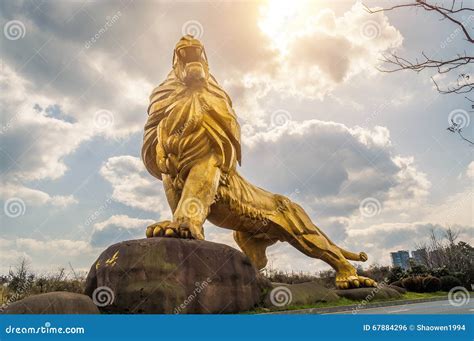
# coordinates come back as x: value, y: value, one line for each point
x: 192, y: 143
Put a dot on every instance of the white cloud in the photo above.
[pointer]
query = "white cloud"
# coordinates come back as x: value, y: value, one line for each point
x: 218, y: 235
x: 44, y: 255
x: 457, y: 207
x: 35, y: 197
x: 58, y: 246
x: 33, y: 143
x: 331, y: 168
x: 133, y: 186
x: 314, y: 51
x: 118, y: 228
x: 470, y: 170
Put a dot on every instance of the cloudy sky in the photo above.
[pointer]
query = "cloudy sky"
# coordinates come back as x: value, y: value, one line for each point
x: 366, y: 153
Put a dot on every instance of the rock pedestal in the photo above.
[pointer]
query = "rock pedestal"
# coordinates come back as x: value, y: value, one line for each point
x: 168, y: 275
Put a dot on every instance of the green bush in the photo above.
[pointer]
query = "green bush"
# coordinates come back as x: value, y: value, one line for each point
x: 440, y: 272
x: 413, y: 283
x: 420, y: 283
x: 418, y: 270
x: 396, y: 273
x: 449, y: 282
x: 431, y: 284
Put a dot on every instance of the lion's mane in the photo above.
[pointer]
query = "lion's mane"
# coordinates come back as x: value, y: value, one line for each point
x: 185, y: 124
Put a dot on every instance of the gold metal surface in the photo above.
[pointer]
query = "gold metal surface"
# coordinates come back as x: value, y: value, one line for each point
x: 192, y: 144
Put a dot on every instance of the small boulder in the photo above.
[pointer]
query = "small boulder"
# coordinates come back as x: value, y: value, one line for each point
x: 58, y: 302
x: 170, y: 275
x: 300, y: 294
x: 401, y: 290
x: 369, y: 294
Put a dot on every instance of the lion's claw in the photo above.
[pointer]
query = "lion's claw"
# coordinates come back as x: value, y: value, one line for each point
x: 354, y: 281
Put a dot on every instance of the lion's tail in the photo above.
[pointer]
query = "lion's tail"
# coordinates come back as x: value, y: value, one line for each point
x: 359, y: 257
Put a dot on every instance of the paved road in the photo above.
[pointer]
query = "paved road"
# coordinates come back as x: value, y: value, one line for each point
x: 433, y: 307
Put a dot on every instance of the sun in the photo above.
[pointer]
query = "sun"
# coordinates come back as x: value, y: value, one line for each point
x: 282, y: 21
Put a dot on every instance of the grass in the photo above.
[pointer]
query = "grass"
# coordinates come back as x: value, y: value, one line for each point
x: 416, y: 295
x: 347, y: 302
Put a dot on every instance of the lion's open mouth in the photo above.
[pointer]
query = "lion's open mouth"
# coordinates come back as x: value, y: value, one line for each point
x: 191, y: 58
x: 190, y: 54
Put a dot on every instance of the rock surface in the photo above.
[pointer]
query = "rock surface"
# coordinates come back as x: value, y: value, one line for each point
x: 169, y: 275
x: 58, y: 302
x: 282, y: 295
x: 380, y: 292
x: 401, y: 290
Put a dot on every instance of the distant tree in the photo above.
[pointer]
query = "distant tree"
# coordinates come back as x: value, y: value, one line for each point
x: 20, y: 280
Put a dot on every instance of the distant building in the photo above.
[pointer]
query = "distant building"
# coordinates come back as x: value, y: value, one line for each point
x: 420, y: 256
x: 401, y: 259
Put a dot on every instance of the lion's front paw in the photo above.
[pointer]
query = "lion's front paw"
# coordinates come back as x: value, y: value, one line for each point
x: 157, y: 229
x: 168, y: 229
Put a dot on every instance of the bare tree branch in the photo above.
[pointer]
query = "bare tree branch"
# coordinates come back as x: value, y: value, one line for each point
x: 464, y: 82
x: 446, y: 13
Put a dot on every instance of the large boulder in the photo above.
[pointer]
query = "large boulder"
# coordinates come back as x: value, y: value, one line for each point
x: 58, y: 302
x: 301, y: 294
x: 169, y: 275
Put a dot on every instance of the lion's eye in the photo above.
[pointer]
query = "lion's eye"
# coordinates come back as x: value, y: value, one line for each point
x: 183, y: 53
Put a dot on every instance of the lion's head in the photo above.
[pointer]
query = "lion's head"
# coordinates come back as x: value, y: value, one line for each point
x: 190, y: 62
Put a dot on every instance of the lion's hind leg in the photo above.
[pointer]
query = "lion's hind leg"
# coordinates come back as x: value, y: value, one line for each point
x: 318, y: 246
x: 254, y: 247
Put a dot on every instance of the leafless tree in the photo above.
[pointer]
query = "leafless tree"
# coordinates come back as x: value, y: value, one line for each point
x: 461, y: 17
